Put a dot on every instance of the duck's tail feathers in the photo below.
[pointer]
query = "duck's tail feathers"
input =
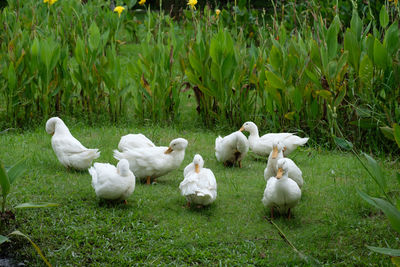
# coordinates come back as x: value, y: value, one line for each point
x: 95, y: 152
x: 118, y: 155
x: 302, y: 141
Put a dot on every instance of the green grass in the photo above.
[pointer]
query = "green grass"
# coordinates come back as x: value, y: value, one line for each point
x: 331, y: 223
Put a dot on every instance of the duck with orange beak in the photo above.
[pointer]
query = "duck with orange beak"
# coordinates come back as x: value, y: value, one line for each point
x: 152, y: 162
x: 281, y: 192
x: 276, y: 154
x: 199, y: 185
x: 262, y: 146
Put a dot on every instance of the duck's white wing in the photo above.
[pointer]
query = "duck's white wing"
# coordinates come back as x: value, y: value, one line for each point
x: 67, y: 144
x: 133, y: 141
x: 275, y: 136
x: 189, y: 184
x: 294, y: 172
x: 270, y: 192
x: 188, y: 169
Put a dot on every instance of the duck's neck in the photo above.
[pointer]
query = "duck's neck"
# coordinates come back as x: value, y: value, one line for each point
x: 254, y: 133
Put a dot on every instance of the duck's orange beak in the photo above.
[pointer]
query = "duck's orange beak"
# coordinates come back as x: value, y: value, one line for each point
x: 241, y: 129
x: 196, y: 168
x: 279, y: 174
x: 169, y: 150
x: 275, y: 152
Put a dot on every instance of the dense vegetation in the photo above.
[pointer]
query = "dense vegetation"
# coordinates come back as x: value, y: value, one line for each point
x: 329, y: 70
x: 304, y: 67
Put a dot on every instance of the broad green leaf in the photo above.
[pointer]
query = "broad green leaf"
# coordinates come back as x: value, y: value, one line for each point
x: 392, y: 39
x: 16, y: 170
x: 3, y: 239
x: 386, y: 251
x: 79, y: 51
x: 356, y: 24
x: 383, y: 17
x: 36, y: 205
x: 370, y: 46
x: 343, y: 143
x: 275, y: 58
x: 35, y: 47
x: 376, y: 170
x: 331, y: 40
x: 18, y: 233
x: 131, y: 3
x: 4, y: 181
x: 396, y: 129
x: 274, y: 80
x: 365, y: 123
x: 324, y: 93
x: 11, y: 77
x: 94, y: 37
x: 380, y: 54
x: 366, y: 72
x: 388, y: 132
x: 390, y: 211
x: 351, y: 44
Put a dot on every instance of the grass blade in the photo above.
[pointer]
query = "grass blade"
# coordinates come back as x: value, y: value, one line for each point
x: 390, y: 211
x: 16, y: 170
x: 18, y: 233
x: 387, y: 251
x: 36, y: 205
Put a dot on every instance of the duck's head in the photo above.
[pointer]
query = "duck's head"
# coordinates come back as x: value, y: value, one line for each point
x: 282, y: 168
x: 277, y: 146
x: 55, y: 123
x: 123, y: 167
x: 178, y: 144
x: 250, y: 127
x: 198, y: 163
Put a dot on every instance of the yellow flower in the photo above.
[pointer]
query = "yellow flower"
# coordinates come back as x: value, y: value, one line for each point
x: 142, y: 2
x: 45, y: 1
x: 52, y: 1
x: 217, y: 12
x: 192, y: 4
x: 119, y: 10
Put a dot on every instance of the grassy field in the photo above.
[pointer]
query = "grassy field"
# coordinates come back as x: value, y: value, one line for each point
x: 330, y: 225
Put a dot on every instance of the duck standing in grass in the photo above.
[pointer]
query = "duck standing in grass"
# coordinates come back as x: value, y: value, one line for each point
x: 133, y: 141
x: 231, y: 149
x: 69, y: 151
x: 262, y: 146
x: 113, y: 183
x: 281, y: 192
x: 271, y: 170
x: 199, y: 185
x: 152, y: 162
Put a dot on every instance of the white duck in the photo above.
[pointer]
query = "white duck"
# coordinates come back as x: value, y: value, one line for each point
x: 133, y: 141
x: 113, y: 183
x: 232, y: 148
x: 69, y: 151
x: 153, y: 162
x: 262, y: 146
x: 199, y: 185
x: 271, y: 170
x: 281, y: 192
